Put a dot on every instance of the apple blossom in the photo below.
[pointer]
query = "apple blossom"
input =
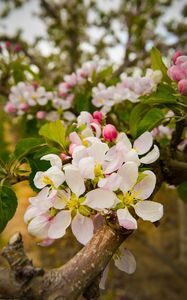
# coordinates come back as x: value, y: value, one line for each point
x: 110, y: 132
x: 182, y: 87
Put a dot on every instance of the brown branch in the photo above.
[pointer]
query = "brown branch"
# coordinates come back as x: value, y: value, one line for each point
x: 24, y: 281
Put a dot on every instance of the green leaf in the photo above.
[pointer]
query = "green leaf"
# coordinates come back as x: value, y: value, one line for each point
x: 152, y: 118
x: 157, y: 63
x: 136, y: 116
x: 26, y: 146
x: 55, y: 132
x: 105, y: 73
x: 182, y: 191
x: 8, y: 205
x: 164, y: 94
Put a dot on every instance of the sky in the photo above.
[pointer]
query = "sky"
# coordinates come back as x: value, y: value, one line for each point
x: 32, y: 26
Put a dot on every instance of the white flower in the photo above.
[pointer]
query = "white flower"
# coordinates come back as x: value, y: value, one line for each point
x: 53, y: 176
x: 123, y: 151
x: 134, y: 193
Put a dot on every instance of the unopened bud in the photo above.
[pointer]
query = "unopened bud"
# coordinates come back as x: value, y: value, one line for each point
x: 98, y: 115
x: 40, y: 115
x: 182, y: 87
x: 109, y: 132
x: 176, y: 55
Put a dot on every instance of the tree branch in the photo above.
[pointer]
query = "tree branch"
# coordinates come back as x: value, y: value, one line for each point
x: 24, y: 281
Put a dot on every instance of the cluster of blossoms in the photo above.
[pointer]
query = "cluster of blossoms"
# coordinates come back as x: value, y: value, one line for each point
x: 34, y: 101
x: 24, y: 96
x: 178, y: 72
x: 100, y: 175
x: 10, y: 47
x: 78, y: 78
x: 129, y: 88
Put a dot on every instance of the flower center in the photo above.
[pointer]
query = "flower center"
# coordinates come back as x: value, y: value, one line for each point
x: 98, y: 171
x: 47, y: 180
x: 128, y: 199
x: 73, y: 203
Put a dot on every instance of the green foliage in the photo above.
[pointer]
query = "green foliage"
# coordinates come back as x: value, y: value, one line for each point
x: 8, y: 205
x: 55, y: 132
x: 136, y: 116
x: 152, y: 118
x: 26, y: 146
x: 164, y: 95
x: 182, y: 191
x: 157, y: 63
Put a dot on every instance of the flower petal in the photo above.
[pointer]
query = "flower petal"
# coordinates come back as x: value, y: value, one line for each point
x: 149, y: 210
x: 82, y: 228
x: 75, y: 139
x: 100, y: 199
x: 129, y: 174
x: 104, y: 278
x: 86, y: 167
x: 111, y: 182
x: 74, y: 179
x: 38, y: 180
x: 152, y: 156
x: 145, y: 187
x: 60, y: 199
x: 56, y: 175
x: 126, y: 220
x: 98, y: 150
x: 59, y: 224
x: 143, y: 143
x: 54, y: 160
x: 122, y: 137
x: 39, y: 226
x: 126, y: 262
x: 131, y: 155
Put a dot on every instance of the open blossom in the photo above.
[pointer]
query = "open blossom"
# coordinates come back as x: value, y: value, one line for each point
x: 96, y: 180
x: 24, y: 95
x: 129, y: 88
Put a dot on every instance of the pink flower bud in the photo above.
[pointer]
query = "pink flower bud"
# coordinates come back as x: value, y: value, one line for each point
x: 95, y: 121
x: 40, y: 115
x: 24, y: 106
x: 176, y: 55
x: 17, y: 48
x: 182, y: 87
x: 109, y: 132
x: 98, y: 115
x: 8, y: 44
x: 176, y: 73
x: 63, y: 156
x: 35, y: 84
x: 10, y: 108
x: 72, y: 148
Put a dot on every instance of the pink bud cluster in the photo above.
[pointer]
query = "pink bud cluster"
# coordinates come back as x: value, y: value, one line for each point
x: 12, y: 47
x: 178, y: 72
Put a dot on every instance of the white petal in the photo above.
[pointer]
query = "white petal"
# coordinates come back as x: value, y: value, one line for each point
x: 84, y: 118
x: 111, y: 182
x: 56, y: 175
x: 75, y: 139
x: 54, y: 160
x: 145, y: 187
x: 98, y: 150
x: 152, y: 156
x: 78, y: 153
x: 143, y: 143
x: 126, y: 220
x: 122, y: 137
x: 82, y: 227
x: 129, y: 174
x: 100, y: 199
x: 74, y: 180
x: 132, y: 155
x: 126, y: 262
x: 97, y: 128
x: 60, y: 200
x: 31, y: 212
x: 114, y: 164
x: 59, y: 224
x: 86, y: 167
x: 149, y: 210
x: 39, y: 226
x: 38, y: 180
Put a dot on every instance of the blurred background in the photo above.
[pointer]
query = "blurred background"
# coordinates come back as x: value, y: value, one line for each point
x: 55, y: 37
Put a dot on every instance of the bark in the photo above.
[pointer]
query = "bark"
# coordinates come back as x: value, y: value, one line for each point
x: 77, y: 276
